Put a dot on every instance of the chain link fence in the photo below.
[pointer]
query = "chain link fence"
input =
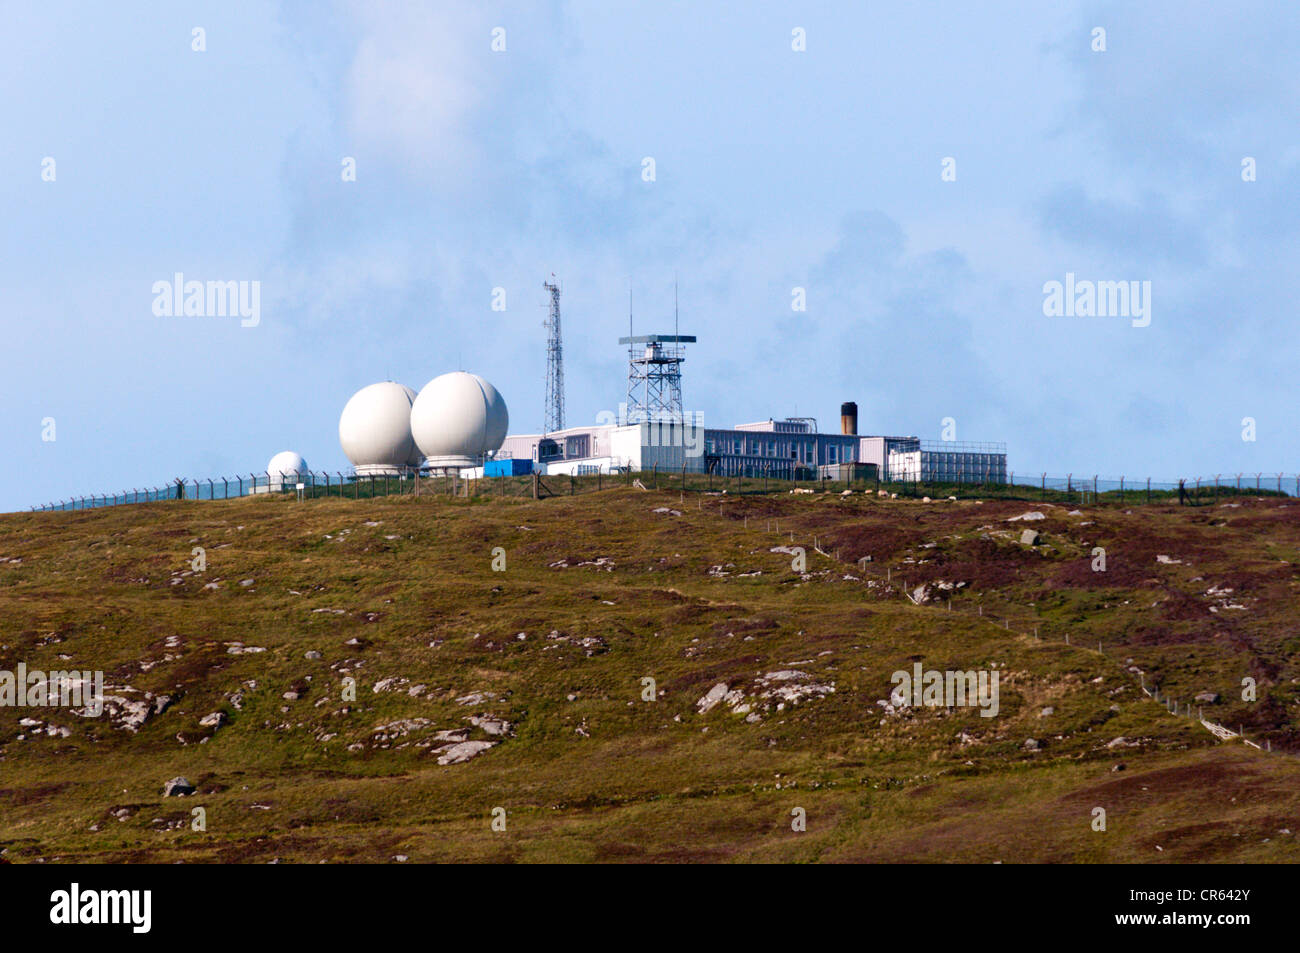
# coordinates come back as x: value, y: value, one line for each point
x: 1018, y: 486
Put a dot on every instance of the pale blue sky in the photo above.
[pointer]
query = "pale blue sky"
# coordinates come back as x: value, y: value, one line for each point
x: 775, y: 169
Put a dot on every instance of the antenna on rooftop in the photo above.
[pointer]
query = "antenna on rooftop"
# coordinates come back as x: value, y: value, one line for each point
x: 654, y: 371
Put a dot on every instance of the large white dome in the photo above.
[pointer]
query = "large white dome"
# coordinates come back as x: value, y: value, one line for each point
x: 285, y: 467
x: 375, y: 429
x: 457, y: 419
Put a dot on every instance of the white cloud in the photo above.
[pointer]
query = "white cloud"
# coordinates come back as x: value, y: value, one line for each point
x: 415, y: 81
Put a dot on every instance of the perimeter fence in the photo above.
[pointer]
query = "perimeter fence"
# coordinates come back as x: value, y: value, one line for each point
x: 1069, y: 489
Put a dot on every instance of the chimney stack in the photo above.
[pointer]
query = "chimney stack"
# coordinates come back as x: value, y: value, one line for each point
x: 849, y: 418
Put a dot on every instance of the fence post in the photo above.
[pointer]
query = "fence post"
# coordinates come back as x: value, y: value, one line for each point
x: 1148, y: 489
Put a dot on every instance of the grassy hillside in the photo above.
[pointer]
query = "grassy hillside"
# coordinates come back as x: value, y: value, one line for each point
x: 234, y: 677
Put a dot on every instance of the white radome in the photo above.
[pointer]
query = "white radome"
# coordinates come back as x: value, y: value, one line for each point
x: 286, y: 467
x: 458, y: 419
x: 375, y: 429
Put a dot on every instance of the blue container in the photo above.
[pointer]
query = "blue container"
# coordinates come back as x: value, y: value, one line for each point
x: 509, y: 467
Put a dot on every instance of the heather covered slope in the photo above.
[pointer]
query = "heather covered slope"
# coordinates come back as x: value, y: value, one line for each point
x: 523, y: 689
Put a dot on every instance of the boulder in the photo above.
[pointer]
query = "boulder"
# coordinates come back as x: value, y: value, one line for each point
x: 177, y: 787
x: 712, y: 697
x: 1207, y: 698
x: 1030, y: 537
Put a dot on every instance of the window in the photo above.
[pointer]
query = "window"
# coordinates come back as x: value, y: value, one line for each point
x: 832, y: 454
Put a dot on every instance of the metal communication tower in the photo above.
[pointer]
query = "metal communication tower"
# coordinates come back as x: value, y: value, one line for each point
x: 654, y: 373
x: 554, y: 364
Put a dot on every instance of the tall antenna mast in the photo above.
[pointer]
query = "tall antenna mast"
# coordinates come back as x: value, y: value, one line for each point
x: 554, y: 363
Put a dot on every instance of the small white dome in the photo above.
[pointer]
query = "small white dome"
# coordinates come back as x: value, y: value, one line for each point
x: 283, y: 465
x: 375, y: 429
x: 457, y: 419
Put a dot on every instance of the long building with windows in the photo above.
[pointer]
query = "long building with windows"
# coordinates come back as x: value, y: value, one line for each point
x: 793, y: 448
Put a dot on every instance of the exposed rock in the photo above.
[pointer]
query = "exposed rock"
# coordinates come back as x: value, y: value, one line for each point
x: 383, y: 735
x: 177, y: 787
x: 239, y: 648
x: 711, y: 698
x: 790, y: 687
x: 1031, y: 744
x: 491, y: 725
x: 1207, y: 698
x: 214, y: 720
x: 1030, y: 537
x: 462, y: 751
x: 1035, y: 515
x: 1047, y: 712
